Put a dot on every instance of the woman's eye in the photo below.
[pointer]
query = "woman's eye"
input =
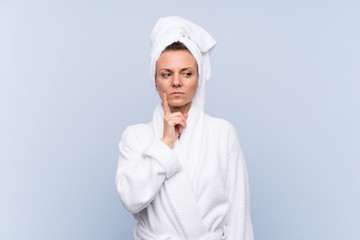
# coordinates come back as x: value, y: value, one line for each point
x: 188, y: 74
x: 165, y: 75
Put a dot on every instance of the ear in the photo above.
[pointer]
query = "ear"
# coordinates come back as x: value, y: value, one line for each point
x: 156, y: 86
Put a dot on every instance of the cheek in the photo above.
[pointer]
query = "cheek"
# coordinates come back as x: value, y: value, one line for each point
x: 157, y: 85
x: 194, y: 86
x: 160, y: 88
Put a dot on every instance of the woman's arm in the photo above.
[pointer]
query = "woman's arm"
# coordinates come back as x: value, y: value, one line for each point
x: 239, y: 226
x: 142, y: 170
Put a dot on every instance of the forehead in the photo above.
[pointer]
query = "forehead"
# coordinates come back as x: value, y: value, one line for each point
x: 175, y: 60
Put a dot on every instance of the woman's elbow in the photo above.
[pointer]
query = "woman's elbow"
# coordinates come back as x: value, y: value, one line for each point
x: 133, y: 199
x: 130, y: 203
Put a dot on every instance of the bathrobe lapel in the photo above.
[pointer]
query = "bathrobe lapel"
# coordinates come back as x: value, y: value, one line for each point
x: 178, y: 188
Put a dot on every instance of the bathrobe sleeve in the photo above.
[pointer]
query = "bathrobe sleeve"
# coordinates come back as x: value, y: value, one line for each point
x: 237, y: 185
x: 142, y: 169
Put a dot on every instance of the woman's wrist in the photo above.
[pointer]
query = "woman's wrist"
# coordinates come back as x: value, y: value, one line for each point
x: 167, y: 142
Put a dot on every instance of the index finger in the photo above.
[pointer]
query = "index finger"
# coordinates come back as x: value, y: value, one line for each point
x: 166, y: 104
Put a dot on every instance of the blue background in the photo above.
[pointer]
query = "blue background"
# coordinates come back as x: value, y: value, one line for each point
x: 74, y: 74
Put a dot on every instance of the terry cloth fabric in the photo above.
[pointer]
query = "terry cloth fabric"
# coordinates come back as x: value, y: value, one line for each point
x: 198, y: 190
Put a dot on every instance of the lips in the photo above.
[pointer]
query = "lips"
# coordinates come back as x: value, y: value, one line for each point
x: 177, y: 93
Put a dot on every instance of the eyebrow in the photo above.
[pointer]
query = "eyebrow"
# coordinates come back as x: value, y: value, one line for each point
x: 183, y: 69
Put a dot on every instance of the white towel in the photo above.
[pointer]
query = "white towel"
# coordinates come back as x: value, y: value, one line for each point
x: 199, y: 42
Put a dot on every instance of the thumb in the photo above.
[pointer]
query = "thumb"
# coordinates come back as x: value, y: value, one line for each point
x: 186, y: 115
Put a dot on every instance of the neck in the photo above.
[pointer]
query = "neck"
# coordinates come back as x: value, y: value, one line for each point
x: 183, y: 109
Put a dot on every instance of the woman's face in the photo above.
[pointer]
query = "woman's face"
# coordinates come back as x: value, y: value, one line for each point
x: 177, y: 76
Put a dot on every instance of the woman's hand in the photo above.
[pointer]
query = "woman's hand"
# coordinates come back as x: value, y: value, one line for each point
x: 174, y: 123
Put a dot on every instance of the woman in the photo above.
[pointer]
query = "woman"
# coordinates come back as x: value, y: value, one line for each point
x: 183, y: 175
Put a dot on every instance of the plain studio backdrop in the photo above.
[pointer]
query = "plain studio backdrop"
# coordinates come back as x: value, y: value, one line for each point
x: 74, y: 74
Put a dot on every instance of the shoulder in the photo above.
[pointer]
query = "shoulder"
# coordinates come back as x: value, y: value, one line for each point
x: 223, y: 130
x: 219, y: 124
x: 136, y: 135
x: 137, y: 129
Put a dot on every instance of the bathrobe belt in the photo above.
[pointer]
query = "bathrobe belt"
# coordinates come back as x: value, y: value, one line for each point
x: 142, y: 234
x: 185, y: 207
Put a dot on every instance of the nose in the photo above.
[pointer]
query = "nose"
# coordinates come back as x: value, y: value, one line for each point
x: 177, y: 82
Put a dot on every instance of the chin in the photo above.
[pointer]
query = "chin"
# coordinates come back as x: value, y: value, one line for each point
x: 178, y: 103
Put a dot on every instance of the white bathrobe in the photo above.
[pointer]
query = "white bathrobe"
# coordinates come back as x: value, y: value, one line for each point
x: 196, y: 191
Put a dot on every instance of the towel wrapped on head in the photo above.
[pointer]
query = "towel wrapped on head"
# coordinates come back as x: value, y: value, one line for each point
x: 199, y: 42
